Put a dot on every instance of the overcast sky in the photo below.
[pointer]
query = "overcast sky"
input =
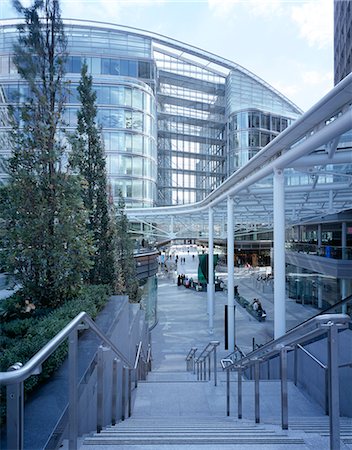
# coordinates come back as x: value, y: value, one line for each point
x: 287, y: 43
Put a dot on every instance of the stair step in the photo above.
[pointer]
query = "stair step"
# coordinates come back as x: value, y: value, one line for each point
x: 274, y: 440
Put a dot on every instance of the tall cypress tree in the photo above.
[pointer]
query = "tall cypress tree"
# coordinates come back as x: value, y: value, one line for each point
x: 46, y: 244
x: 87, y: 157
x: 125, y: 265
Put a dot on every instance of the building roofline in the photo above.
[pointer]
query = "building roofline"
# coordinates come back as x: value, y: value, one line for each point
x: 173, y: 43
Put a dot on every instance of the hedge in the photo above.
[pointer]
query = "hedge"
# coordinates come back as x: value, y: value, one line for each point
x: 21, y: 339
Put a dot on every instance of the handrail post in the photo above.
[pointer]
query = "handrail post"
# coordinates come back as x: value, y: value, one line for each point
x: 326, y: 377
x: 334, y: 401
x: 284, y: 399
x: 215, y: 344
x: 73, y: 391
x: 239, y: 393
x: 14, y: 412
x: 114, y: 392
x: 295, y: 365
x: 205, y: 368
x: 100, y: 388
x: 123, y: 397
x: 209, y: 368
x: 129, y: 392
x: 256, y: 392
x: 228, y: 392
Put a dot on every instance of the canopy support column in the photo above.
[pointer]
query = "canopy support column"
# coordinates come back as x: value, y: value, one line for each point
x: 210, y: 287
x: 279, y: 254
x: 230, y: 280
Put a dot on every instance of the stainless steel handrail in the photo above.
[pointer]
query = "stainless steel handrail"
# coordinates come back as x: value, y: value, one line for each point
x: 14, y: 379
x: 329, y: 324
x: 149, y: 357
x: 190, y: 360
x: 200, y: 363
x: 32, y: 366
x: 236, y: 352
x: 323, y: 366
x: 308, y: 330
x: 141, y: 363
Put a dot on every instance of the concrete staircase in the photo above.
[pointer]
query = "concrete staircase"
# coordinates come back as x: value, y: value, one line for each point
x: 173, y: 411
x: 189, y: 431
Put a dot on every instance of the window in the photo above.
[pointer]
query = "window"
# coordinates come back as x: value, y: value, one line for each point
x: 124, y: 67
x: 76, y: 64
x: 253, y: 120
x: 117, y: 118
x: 137, y: 99
x: 137, y: 121
x: 128, y: 120
x: 4, y: 65
x: 275, y: 122
x: 265, y: 121
x: 105, y: 66
x: 114, y: 67
x: 137, y: 143
x: 253, y: 140
x: 143, y: 69
x: 132, y: 68
x: 264, y: 139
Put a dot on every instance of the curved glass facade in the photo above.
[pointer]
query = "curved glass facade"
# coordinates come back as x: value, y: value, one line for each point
x: 255, y: 116
x: 176, y: 120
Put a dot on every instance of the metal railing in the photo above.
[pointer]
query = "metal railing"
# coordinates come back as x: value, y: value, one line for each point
x: 190, y: 360
x: 142, y: 363
x: 236, y: 354
x: 17, y: 374
x: 327, y: 324
x: 202, y: 363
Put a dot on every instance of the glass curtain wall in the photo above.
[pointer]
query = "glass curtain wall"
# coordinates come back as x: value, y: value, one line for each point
x: 123, y: 78
x: 255, y: 115
x: 191, y: 141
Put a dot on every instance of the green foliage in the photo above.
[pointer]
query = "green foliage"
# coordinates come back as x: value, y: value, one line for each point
x: 88, y: 159
x: 22, y: 339
x: 125, y: 265
x: 45, y: 241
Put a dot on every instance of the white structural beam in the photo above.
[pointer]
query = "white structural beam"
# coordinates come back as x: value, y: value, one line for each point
x: 230, y: 281
x: 279, y: 254
x: 210, y: 287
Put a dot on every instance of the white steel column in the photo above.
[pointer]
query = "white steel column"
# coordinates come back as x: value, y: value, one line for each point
x: 210, y: 287
x: 279, y: 254
x: 230, y: 280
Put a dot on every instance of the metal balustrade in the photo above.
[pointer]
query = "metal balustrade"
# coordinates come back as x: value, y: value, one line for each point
x: 202, y: 363
x: 326, y: 324
x: 190, y: 360
x: 17, y: 374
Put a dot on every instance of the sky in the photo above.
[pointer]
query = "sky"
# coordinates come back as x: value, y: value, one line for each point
x: 287, y: 43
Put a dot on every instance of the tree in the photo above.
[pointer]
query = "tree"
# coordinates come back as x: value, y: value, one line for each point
x: 87, y: 157
x: 125, y: 265
x: 45, y: 242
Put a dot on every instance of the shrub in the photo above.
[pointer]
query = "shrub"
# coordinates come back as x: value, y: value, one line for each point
x: 22, y: 339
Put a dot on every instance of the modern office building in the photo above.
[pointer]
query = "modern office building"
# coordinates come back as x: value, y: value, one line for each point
x: 342, y: 39
x: 181, y: 124
x: 176, y: 120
